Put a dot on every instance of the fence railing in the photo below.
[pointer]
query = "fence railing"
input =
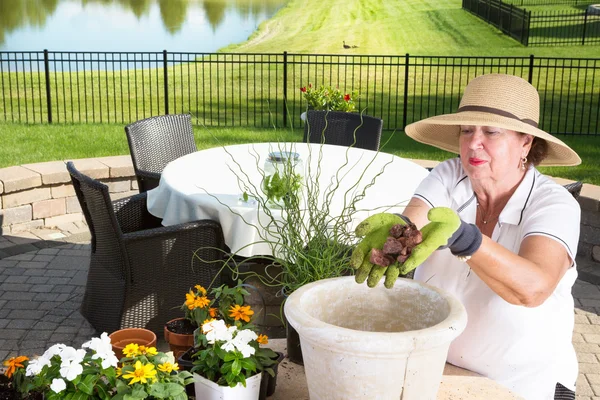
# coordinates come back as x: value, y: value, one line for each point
x: 263, y: 90
x: 549, y: 28
x: 511, y: 20
x: 539, y: 28
x: 526, y: 3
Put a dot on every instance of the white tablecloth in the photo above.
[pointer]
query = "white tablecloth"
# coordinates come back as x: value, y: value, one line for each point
x: 204, y: 184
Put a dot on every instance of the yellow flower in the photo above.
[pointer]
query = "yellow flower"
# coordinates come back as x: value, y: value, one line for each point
x: 201, y: 290
x: 141, y: 373
x: 131, y: 350
x: 149, y: 351
x: 13, y: 363
x: 262, y: 339
x: 118, y: 370
x: 168, y: 367
x: 240, y: 312
x: 201, y: 302
x: 213, y: 312
x: 190, y: 299
x: 206, y: 321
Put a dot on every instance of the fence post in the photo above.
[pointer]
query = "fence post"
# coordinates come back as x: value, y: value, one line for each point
x: 166, y: 79
x: 284, y: 89
x: 584, y: 26
x: 523, y: 38
x: 510, y: 13
x: 47, y: 74
x: 530, y: 79
x: 405, y: 105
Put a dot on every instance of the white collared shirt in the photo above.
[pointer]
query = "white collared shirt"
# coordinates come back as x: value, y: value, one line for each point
x: 526, y: 349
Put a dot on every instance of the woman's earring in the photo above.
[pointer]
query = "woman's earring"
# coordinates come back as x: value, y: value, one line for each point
x: 523, y: 163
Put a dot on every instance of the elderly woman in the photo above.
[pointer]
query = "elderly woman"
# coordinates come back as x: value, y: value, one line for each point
x: 511, y: 262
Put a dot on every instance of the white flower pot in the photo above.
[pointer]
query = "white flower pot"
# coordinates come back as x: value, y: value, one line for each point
x: 208, y: 390
x: 363, y: 343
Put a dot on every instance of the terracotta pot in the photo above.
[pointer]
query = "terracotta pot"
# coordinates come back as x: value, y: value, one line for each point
x: 123, y: 337
x: 178, y: 343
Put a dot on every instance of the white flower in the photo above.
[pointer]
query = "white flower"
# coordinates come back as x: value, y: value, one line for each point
x: 103, y: 348
x: 71, y: 369
x: 35, y: 366
x: 245, y: 336
x: 246, y: 350
x: 216, y: 330
x: 228, y: 346
x: 168, y: 357
x: 58, y: 385
x: 54, y: 350
x: 71, y: 354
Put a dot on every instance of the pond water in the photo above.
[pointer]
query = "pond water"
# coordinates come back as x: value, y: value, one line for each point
x: 130, y: 25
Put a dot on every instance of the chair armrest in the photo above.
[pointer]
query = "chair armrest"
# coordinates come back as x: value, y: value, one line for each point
x: 132, y: 214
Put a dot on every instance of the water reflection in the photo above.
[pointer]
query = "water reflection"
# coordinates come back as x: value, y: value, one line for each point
x: 26, y: 18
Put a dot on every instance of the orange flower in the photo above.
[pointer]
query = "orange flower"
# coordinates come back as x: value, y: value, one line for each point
x: 213, y: 312
x: 262, y: 339
x: 201, y: 290
x: 240, y: 312
x: 13, y: 363
x: 201, y: 302
x: 190, y: 299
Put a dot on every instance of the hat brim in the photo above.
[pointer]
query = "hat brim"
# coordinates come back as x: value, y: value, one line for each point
x: 441, y: 131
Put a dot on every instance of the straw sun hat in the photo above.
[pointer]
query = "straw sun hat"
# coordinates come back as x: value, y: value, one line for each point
x: 496, y: 100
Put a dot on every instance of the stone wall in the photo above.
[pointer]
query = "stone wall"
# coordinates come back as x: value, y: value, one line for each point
x: 41, y: 195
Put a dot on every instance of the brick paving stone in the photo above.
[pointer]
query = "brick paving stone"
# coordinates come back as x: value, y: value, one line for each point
x: 4, y: 313
x: 39, y: 334
x: 46, y: 297
x: 37, y: 280
x: 16, y: 279
x: 12, y: 333
x: 48, y: 252
x: 8, y: 263
x: 63, y: 289
x: 35, y: 272
x: 58, y: 281
x: 26, y: 314
x: 45, y: 325
x: 49, y: 305
x: 42, y: 288
x: 22, y: 305
x: 33, y: 264
x: 20, y: 324
x: 69, y: 262
x: 14, y: 271
x: 4, y: 322
x: 23, y: 257
x: 43, y: 258
x: 15, y: 287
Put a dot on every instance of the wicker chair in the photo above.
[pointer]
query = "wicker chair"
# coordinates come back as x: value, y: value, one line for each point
x: 139, y: 271
x: 574, y: 188
x: 333, y: 127
x: 156, y: 141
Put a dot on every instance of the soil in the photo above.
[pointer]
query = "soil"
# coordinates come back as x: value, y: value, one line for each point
x: 7, y: 392
x: 181, y: 326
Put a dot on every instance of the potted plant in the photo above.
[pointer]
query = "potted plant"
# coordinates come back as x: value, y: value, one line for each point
x: 327, y: 98
x: 92, y: 372
x: 179, y: 332
x: 307, y: 240
x: 227, y: 348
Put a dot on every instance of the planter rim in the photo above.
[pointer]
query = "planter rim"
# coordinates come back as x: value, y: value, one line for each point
x: 390, y: 343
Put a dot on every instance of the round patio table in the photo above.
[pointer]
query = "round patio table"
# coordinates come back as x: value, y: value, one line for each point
x: 209, y: 184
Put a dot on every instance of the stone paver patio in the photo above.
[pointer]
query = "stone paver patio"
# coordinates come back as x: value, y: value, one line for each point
x: 42, y: 287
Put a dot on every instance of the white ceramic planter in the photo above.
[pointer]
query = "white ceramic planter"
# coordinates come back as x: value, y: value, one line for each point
x: 208, y: 390
x: 363, y: 343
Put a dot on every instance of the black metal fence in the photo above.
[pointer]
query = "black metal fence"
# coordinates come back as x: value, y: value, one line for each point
x: 547, y: 2
x: 263, y: 90
x: 511, y: 20
x: 548, y: 28
x: 539, y: 28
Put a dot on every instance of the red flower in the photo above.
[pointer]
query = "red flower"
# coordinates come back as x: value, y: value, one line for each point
x: 310, y: 85
x: 347, y: 97
x: 303, y: 89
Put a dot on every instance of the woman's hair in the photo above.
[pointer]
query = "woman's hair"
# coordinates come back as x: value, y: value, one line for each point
x: 538, y: 151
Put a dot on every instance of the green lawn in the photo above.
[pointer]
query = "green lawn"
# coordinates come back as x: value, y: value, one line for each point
x: 24, y: 144
x: 418, y: 27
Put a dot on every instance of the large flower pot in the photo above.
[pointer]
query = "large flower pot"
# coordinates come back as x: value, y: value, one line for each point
x: 179, y: 343
x: 123, y: 337
x: 208, y: 390
x: 374, y: 343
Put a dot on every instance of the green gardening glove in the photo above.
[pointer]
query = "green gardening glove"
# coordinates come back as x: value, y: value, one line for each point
x: 446, y: 229
x: 375, y: 231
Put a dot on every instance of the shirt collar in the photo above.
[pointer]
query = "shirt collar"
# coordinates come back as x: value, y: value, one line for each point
x: 512, y: 213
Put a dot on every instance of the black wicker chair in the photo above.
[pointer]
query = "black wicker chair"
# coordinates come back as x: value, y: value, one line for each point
x: 333, y: 127
x: 156, y: 141
x: 574, y: 188
x: 139, y: 271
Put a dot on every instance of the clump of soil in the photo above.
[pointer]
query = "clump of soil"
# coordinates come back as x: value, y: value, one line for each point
x: 181, y: 326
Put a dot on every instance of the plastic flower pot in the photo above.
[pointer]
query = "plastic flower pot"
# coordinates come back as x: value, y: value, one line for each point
x: 123, y: 337
x: 381, y: 343
x: 208, y: 390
